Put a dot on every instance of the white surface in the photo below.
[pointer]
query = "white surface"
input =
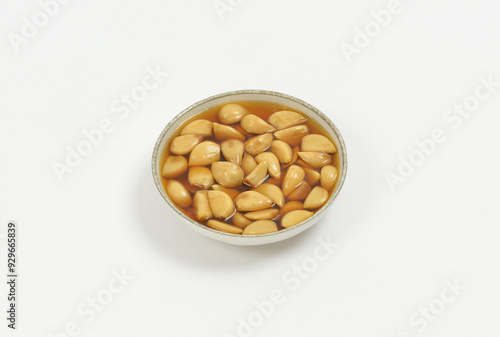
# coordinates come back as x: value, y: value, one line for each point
x: 396, y: 248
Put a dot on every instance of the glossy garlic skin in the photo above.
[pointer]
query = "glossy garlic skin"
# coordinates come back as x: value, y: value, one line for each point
x: 250, y: 169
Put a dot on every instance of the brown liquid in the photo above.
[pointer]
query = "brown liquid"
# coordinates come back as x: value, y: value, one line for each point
x: 261, y: 109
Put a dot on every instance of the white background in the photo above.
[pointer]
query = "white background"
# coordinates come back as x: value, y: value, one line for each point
x: 396, y: 248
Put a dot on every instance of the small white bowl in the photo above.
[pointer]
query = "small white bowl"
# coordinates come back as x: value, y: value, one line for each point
x: 261, y: 96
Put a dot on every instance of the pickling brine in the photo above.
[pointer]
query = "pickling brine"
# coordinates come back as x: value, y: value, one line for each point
x: 250, y: 168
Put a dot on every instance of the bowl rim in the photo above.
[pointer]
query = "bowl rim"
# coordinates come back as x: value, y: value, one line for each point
x: 157, y: 155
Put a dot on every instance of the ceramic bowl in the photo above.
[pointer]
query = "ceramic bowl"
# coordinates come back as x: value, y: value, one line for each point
x: 249, y: 95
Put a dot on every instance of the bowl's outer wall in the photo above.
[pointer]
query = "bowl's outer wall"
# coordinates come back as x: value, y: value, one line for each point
x: 250, y: 95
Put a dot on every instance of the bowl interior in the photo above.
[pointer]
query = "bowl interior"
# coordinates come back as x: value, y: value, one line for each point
x: 261, y: 96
